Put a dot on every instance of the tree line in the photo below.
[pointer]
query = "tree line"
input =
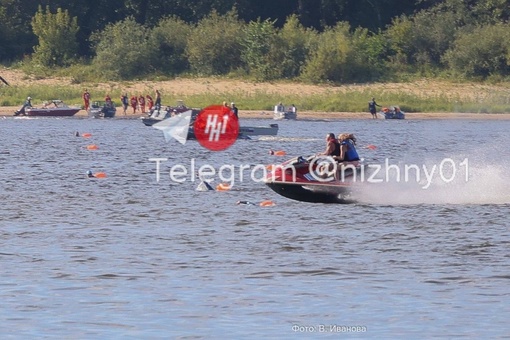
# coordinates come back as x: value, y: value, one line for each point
x: 311, y: 40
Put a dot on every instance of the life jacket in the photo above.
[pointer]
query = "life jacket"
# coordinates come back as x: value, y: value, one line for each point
x: 351, y: 154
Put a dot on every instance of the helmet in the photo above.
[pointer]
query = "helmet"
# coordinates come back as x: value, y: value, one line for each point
x: 29, y: 98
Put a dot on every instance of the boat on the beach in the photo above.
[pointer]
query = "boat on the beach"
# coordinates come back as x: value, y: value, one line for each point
x: 282, y: 112
x: 50, y: 108
x: 102, y: 109
x: 158, y: 113
x: 307, y: 180
x: 393, y: 112
x: 245, y: 132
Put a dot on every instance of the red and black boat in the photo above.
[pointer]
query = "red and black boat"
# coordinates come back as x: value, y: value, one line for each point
x: 316, y: 179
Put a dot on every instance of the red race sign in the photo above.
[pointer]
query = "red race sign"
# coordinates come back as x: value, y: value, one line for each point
x: 216, y: 127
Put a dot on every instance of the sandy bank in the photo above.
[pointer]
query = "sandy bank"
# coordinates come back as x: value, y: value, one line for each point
x: 9, y: 111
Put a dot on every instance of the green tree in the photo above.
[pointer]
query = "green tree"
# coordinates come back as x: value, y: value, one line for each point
x: 57, y: 37
x: 259, y: 47
x: 327, y: 62
x: 214, y: 44
x: 295, y: 45
x: 123, y: 50
x: 482, y: 52
x: 170, y: 38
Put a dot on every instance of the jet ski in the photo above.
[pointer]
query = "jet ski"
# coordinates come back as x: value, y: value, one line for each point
x: 316, y: 179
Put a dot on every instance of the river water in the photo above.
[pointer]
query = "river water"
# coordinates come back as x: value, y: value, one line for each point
x: 135, y: 255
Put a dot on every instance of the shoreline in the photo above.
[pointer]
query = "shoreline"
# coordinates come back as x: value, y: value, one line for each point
x: 8, y: 111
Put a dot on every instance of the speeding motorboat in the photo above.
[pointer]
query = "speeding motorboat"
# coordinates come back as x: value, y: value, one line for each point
x: 316, y: 179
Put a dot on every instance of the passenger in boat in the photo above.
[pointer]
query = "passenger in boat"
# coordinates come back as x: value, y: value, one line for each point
x: 372, y: 108
x: 348, y: 151
x: 332, y: 146
x: 27, y: 103
x: 235, y: 109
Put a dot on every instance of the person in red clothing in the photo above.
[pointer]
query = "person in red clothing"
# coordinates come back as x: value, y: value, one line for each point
x: 86, y: 99
x: 141, y: 101
x: 150, y: 102
x: 134, y: 103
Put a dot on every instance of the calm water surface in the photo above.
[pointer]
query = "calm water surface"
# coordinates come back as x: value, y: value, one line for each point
x: 128, y: 256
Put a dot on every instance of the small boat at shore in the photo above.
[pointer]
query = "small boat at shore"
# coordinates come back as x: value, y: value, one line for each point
x: 393, y: 112
x: 50, y: 108
x: 157, y: 114
x: 282, y: 112
x: 102, y: 109
x: 245, y: 132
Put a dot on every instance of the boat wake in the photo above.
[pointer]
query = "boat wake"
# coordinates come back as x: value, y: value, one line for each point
x: 287, y: 139
x: 483, y: 183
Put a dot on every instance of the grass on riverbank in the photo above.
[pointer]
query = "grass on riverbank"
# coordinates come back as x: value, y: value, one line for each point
x: 424, y: 96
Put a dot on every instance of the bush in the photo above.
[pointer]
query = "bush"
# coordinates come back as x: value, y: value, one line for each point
x: 481, y: 52
x: 214, y: 45
x: 327, y: 61
x: 57, y: 37
x: 123, y: 50
x: 169, y: 39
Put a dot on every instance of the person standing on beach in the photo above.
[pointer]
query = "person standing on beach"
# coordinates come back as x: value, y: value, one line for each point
x: 158, y: 100
x: 141, y: 101
x: 134, y: 102
x: 150, y: 102
x: 86, y: 99
x: 235, y: 109
x: 371, y: 107
x: 125, y: 102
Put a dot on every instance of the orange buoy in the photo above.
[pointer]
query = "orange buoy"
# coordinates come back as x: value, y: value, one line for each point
x: 86, y: 135
x: 223, y: 187
x: 100, y: 175
x: 277, y: 153
x: 92, y: 147
x: 270, y: 167
x: 371, y: 147
x: 267, y: 203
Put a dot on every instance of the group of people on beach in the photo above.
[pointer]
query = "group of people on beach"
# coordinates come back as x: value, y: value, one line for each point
x: 142, y: 103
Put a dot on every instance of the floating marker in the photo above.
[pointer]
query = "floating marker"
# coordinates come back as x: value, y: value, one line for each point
x: 267, y: 203
x: 223, y: 187
x: 92, y: 147
x: 277, y: 153
x: 85, y: 135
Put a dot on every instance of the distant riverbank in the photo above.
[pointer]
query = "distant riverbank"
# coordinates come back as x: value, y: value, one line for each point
x: 7, y: 111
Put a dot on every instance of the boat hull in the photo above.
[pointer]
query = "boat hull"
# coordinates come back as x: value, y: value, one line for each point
x: 245, y: 132
x: 310, y: 193
x: 51, y: 112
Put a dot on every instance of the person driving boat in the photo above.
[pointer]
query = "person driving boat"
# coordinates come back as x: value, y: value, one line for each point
x: 332, y: 146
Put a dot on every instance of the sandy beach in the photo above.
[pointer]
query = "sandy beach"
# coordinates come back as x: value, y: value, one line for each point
x: 181, y: 86
x: 7, y: 111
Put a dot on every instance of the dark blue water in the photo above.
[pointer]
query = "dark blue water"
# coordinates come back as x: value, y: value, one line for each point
x: 130, y: 256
